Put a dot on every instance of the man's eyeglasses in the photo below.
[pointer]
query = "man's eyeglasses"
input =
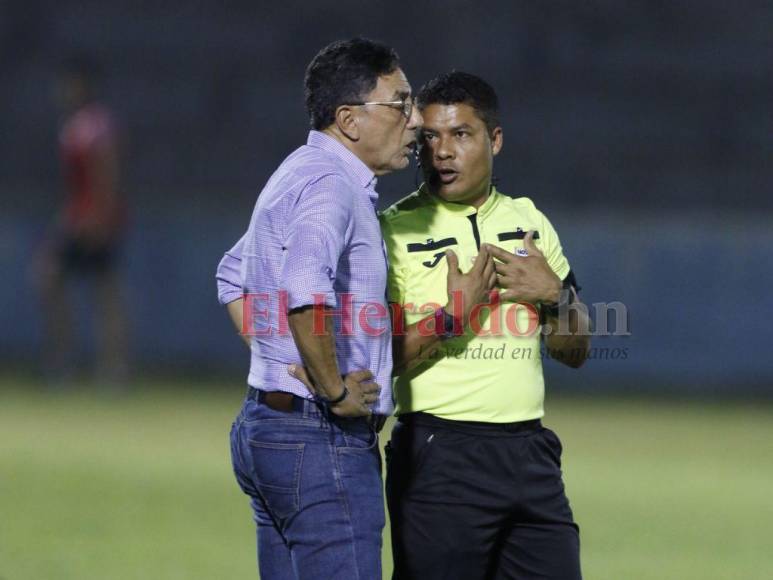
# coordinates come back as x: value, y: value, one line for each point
x: 404, y: 105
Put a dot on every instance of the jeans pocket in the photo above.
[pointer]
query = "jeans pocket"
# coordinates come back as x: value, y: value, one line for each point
x: 277, y: 468
x: 359, y: 439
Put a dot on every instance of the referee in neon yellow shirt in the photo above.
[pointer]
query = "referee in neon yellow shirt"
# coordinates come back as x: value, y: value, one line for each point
x: 474, y: 482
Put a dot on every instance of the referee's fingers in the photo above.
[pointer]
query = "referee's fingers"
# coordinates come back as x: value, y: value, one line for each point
x: 453, y: 262
x: 528, y: 243
x: 488, y: 268
x: 490, y: 276
x: 481, y: 261
x: 501, y: 268
x: 500, y: 254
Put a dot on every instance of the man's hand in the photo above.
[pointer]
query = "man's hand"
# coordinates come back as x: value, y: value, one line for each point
x: 471, y: 288
x: 363, y: 392
x: 527, y: 278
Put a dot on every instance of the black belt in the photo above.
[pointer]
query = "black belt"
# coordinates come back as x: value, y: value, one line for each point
x: 472, y: 427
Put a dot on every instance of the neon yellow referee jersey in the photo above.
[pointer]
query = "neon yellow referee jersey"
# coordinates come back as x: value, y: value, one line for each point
x: 494, y: 374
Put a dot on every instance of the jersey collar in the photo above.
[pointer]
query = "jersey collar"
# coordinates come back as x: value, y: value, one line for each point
x: 461, y: 209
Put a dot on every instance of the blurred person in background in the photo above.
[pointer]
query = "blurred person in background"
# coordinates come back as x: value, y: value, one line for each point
x: 84, y: 240
x: 308, y: 457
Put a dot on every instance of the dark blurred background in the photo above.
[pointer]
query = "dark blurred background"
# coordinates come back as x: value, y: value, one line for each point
x: 642, y: 129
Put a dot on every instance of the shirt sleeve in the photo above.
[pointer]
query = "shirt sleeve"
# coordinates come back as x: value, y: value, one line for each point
x: 551, y: 248
x: 396, y: 272
x: 316, y: 235
x: 229, y: 280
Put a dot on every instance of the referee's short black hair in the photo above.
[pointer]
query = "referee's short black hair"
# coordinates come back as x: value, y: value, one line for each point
x: 342, y: 73
x: 457, y: 87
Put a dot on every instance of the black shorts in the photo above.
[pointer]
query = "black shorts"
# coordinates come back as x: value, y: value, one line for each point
x: 475, y: 501
x: 79, y: 257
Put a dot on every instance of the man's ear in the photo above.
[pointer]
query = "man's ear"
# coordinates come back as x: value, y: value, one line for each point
x: 496, y: 140
x: 347, y: 122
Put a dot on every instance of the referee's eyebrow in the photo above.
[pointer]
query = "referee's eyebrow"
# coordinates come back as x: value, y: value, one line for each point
x: 401, y: 94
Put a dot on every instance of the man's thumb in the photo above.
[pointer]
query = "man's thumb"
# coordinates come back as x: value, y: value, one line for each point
x: 452, y: 261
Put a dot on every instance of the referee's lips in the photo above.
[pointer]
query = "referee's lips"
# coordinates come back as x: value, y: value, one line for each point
x: 446, y: 174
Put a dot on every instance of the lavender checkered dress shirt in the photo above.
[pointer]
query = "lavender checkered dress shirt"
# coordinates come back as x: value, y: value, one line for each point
x: 314, y: 236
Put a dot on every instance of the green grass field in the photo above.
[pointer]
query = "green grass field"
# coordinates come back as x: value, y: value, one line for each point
x: 139, y: 486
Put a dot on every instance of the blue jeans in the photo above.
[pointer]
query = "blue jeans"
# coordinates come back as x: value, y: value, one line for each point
x: 315, y: 486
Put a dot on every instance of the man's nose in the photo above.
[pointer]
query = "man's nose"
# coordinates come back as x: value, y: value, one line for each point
x: 443, y: 150
x: 415, y: 120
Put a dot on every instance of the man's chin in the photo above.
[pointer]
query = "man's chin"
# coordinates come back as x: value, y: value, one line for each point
x: 449, y: 192
x: 401, y: 163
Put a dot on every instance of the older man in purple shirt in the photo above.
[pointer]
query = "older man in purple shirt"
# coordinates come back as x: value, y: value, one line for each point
x: 313, y: 277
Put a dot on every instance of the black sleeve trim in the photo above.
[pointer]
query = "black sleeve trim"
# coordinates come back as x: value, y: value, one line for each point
x: 570, y: 280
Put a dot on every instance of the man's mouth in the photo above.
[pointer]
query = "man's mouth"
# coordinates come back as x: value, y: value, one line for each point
x: 447, y: 176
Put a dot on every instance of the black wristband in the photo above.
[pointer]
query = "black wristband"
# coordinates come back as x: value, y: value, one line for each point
x: 565, y: 298
x: 445, y: 324
x: 334, y: 402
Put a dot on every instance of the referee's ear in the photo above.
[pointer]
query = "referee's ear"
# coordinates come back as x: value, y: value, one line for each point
x: 346, y: 122
x: 496, y: 138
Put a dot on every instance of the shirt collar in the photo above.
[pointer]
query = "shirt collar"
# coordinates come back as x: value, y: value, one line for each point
x: 461, y: 209
x: 361, y: 172
x: 372, y: 193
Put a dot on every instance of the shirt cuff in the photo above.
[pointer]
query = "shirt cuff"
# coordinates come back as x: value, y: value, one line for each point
x: 227, y: 293
x: 310, y: 290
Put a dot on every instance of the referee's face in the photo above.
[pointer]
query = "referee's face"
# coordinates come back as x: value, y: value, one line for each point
x: 457, y: 153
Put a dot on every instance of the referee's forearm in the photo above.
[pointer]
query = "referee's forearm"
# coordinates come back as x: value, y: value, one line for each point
x: 570, y: 346
x: 411, y: 346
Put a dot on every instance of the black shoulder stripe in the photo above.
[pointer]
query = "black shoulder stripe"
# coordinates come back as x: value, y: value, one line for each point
x: 431, y: 245
x: 519, y: 235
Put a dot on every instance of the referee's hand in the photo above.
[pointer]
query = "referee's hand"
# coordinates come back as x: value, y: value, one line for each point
x: 525, y: 276
x: 465, y: 291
